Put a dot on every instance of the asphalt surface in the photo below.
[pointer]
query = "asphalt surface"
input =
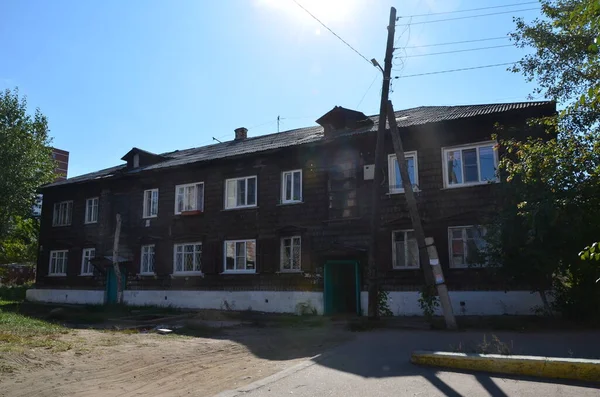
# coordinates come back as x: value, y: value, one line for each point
x: 377, y: 364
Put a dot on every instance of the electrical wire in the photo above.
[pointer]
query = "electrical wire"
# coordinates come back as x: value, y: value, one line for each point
x: 455, y: 70
x: 368, y: 89
x: 470, y: 16
x: 471, y: 9
x: 454, y: 51
x: 332, y: 32
x: 456, y: 42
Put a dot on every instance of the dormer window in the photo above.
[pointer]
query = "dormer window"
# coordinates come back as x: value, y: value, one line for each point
x: 340, y: 119
x: 140, y: 158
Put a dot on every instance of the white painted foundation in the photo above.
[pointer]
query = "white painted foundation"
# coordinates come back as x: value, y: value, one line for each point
x: 93, y: 297
x: 402, y: 303
x: 476, y: 303
x: 264, y: 301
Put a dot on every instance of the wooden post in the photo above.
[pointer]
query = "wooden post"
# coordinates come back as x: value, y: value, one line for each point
x: 411, y: 204
x: 373, y: 282
x: 116, y: 268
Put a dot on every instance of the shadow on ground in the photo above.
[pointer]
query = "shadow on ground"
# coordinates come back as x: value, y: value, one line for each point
x: 380, y: 353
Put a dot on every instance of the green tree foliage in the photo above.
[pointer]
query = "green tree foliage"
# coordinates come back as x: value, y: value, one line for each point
x: 26, y: 163
x: 552, y: 194
x: 21, y: 241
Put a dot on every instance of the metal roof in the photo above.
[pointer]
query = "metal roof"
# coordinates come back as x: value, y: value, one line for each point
x: 406, y: 118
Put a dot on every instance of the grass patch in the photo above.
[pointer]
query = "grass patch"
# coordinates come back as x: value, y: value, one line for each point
x: 18, y: 331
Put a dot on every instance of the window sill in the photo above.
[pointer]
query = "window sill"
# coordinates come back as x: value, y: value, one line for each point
x: 90, y: 223
x: 61, y: 225
x: 239, y: 272
x: 180, y: 274
x: 57, y: 275
x: 407, y: 268
x: 289, y: 272
x: 401, y: 192
x: 147, y: 274
x: 86, y: 275
x: 189, y: 213
x: 289, y: 203
x: 249, y: 207
x: 450, y: 187
x: 152, y: 217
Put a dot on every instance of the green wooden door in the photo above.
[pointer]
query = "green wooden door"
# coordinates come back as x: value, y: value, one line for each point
x: 111, y: 284
x: 341, y: 288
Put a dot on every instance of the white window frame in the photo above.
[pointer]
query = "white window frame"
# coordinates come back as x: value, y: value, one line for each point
x: 394, y: 253
x: 464, y: 240
x: 241, y: 271
x: 69, y: 209
x: 65, y: 264
x: 94, y: 215
x: 195, y: 184
x: 144, y: 251
x: 392, y: 172
x: 245, y: 178
x: 147, y: 212
x: 86, y: 257
x: 282, y: 249
x: 284, y: 186
x: 188, y: 272
x: 477, y: 146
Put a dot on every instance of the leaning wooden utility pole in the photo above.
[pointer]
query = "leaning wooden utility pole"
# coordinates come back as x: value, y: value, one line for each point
x: 427, y: 252
x: 116, y: 259
x: 377, y: 180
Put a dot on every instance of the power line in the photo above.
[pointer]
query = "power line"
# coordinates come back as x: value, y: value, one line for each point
x: 464, y: 50
x: 456, y: 42
x: 470, y: 16
x: 332, y: 32
x: 455, y: 70
x: 368, y: 89
x: 470, y: 9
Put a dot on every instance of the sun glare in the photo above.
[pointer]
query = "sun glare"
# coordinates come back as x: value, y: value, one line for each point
x: 325, y: 10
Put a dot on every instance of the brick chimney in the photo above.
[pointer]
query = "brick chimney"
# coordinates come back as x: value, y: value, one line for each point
x: 241, y: 133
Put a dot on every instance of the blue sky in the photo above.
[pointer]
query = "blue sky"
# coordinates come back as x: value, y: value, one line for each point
x: 166, y: 75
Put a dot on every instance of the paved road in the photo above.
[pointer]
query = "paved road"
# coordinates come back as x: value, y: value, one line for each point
x: 376, y: 364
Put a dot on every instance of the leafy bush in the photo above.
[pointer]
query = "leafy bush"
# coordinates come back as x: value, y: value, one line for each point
x: 383, y: 306
x: 14, y: 293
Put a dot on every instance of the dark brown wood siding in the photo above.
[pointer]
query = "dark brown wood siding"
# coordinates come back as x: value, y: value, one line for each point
x: 325, y: 234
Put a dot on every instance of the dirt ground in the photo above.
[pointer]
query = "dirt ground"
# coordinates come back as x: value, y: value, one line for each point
x: 105, y: 363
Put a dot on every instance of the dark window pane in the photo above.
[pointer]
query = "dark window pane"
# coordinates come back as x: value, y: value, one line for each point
x: 251, y: 191
x: 454, y: 167
x: 241, y: 192
x: 487, y: 164
x: 470, y: 164
x: 297, y: 186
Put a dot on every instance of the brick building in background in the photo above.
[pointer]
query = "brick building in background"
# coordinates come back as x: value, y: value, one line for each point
x: 62, y: 168
x: 62, y: 164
